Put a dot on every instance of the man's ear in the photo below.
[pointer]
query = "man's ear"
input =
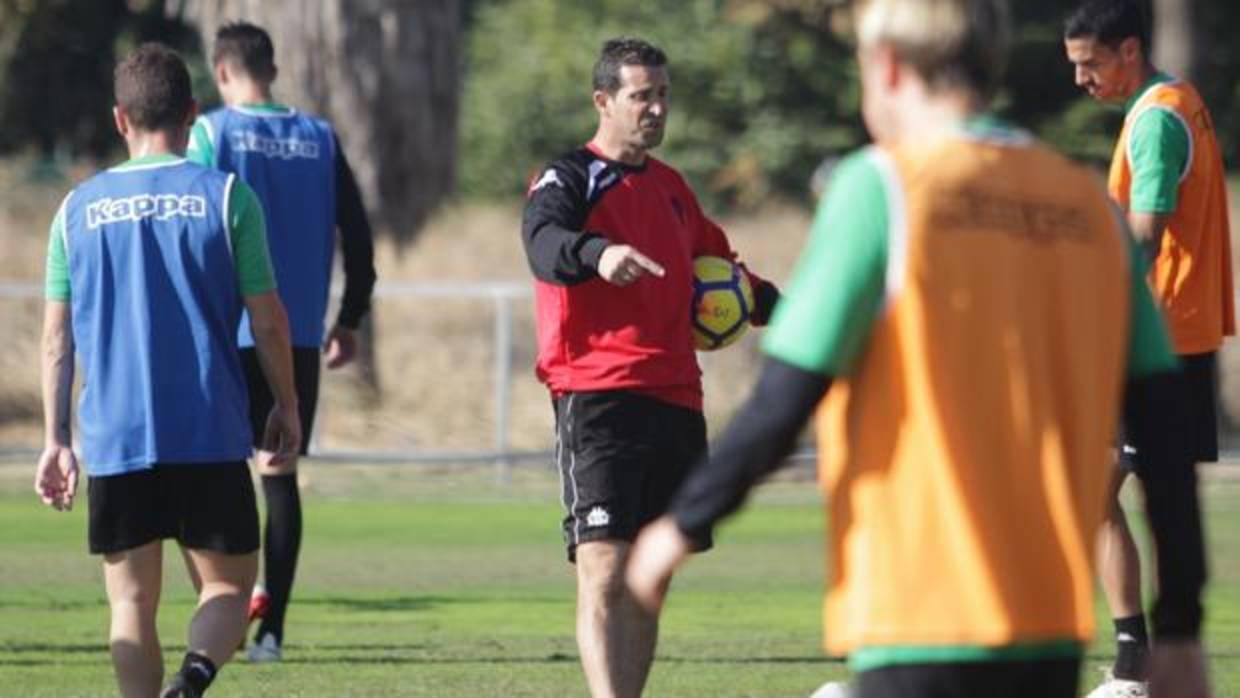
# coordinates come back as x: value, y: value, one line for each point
x: 221, y: 73
x: 1130, y: 50
x: 121, y: 120
x: 890, y: 71
x: 601, y: 97
x: 191, y: 113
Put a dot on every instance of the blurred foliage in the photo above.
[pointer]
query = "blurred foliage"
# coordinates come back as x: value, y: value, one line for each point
x: 57, y: 58
x: 762, y: 91
x: 759, y: 90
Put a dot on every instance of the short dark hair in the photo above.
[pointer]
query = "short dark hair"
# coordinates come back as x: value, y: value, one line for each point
x: 152, y: 87
x: 248, y: 46
x: 620, y: 52
x: 1110, y: 22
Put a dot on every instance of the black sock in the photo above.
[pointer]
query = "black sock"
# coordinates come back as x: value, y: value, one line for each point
x: 281, y: 541
x: 198, y: 671
x: 1133, y: 645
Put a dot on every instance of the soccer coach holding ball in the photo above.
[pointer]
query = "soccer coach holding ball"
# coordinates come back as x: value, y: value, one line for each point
x: 611, y: 235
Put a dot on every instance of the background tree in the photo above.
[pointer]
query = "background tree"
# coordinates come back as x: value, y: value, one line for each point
x: 57, y: 58
x: 1176, y: 48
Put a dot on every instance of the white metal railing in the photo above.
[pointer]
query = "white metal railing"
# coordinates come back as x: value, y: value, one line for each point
x: 502, y: 294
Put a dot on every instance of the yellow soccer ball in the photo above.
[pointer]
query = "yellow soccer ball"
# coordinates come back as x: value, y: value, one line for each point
x: 722, y: 303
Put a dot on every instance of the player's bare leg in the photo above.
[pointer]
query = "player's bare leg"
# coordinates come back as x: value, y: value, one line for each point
x: 1119, y: 570
x: 615, y: 638
x: 1119, y: 563
x: 220, y: 620
x: 133, y: 581
x: 191, y: 569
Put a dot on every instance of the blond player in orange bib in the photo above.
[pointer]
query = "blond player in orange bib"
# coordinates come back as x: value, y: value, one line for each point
x: 965, y: 319
x: 1167, y: 174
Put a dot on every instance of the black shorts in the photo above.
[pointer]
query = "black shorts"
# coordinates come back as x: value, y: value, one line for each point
x: 204, y: 506
x: 1198, y: 383
x: 621, y: 457
x: 1035, y: 678
x: 305, y: 378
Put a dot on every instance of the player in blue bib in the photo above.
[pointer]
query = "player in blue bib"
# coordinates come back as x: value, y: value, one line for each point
x: 295, y: 165
x: 150, y: 265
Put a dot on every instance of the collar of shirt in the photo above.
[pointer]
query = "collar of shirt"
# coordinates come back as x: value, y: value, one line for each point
x: 1157, y: 78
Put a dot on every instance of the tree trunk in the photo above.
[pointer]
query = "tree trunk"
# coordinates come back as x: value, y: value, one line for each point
x: 1176, y: 35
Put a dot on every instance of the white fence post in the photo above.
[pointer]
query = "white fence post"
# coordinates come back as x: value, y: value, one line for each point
x: 503, y: 383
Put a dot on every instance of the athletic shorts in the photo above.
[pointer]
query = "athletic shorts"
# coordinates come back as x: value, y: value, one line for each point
x: 204, y: 506
x: 306, y: 380
x: 1198, y: 381
x: 1036, y: 678
x: 621, y: 456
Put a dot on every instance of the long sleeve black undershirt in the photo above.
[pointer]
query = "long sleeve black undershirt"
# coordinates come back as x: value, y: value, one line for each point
x: 557, y: 248
x: 560, y: 252
x: 357, y: 246
x: 764, y: 432
x: 755, y: 443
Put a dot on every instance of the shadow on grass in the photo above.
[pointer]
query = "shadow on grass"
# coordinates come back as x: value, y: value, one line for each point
x: 395, y: 603
x: 54, y: 604
x: 416, y: 603
x: 31, y: 647
x: 553, y: 658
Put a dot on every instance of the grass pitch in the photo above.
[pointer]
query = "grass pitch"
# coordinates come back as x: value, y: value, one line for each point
x: 440, y: 583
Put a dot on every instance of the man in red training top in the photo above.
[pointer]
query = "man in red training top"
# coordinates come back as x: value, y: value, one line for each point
x: 611, y: 234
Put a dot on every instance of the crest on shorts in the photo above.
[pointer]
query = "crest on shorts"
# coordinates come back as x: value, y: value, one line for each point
x: 598, y: 516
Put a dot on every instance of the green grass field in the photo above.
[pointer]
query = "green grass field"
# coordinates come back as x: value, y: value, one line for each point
x: 418, y: 582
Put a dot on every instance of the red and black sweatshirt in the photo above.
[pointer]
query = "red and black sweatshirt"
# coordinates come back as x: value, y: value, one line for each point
x: 596, y: 336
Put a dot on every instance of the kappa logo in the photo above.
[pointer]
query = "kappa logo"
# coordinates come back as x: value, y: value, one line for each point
x: 283, y: 148
x: 548, y: 177
x: 161, y: 207
x: 598, y: 516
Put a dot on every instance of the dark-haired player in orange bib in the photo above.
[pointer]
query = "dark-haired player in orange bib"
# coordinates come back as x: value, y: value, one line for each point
x: 1167, y: 175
